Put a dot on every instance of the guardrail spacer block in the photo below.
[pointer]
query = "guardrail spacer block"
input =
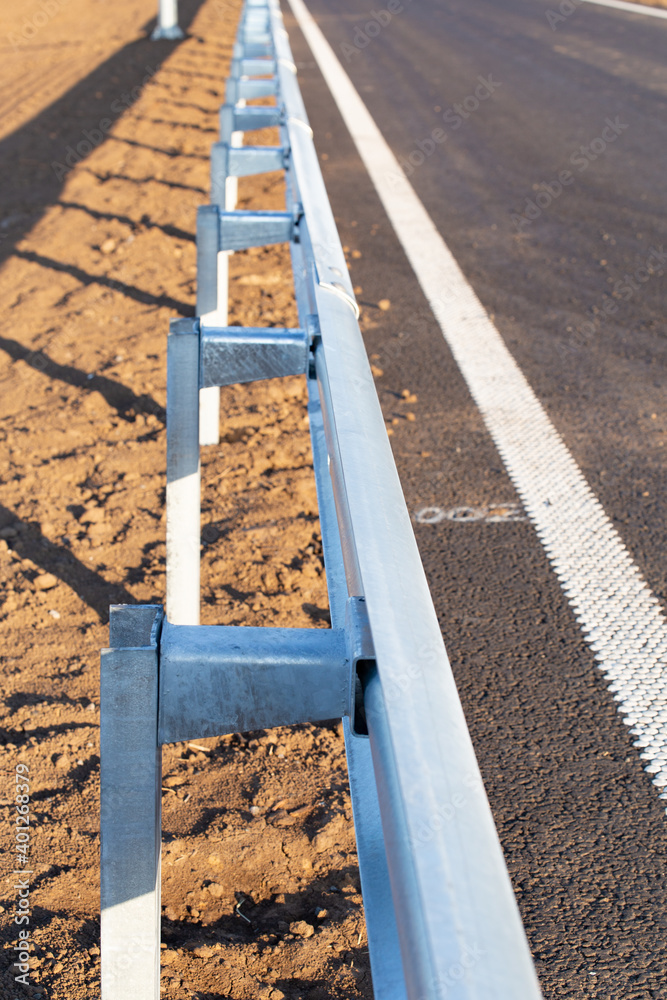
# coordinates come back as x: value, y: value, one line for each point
x: 243, y: 161
x: 234, y: 119
x: 242, y: 229
x: 234, y: 354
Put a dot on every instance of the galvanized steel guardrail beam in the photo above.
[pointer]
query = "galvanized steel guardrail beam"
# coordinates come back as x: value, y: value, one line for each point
x: 440, y: 912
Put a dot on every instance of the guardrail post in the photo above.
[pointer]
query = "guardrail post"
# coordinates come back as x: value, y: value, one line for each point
x: 167, y: 21
x: 183, y: 486
x: 223, y: 195
x: 130, y: 820
x: 209, y: 301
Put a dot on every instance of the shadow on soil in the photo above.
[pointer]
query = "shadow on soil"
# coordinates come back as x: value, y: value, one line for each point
x: 30, y: 543
x: 126, y: 403
x: 30, y: 183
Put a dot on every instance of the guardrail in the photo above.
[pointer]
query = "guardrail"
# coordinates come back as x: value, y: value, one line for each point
x: 441, y: 916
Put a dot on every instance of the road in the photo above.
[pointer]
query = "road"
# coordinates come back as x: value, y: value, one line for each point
x: 536, y: 144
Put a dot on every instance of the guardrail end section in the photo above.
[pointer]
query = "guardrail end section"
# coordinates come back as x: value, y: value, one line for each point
x: 130, y: 817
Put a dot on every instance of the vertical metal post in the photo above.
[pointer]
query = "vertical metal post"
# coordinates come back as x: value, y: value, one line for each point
x: 167, y: 21
x: 130, y: 806
x: 208, y: 242
x: 224, y: 194
x: 183, y: 486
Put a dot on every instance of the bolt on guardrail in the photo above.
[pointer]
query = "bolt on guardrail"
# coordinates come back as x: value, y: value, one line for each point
x: 440, y: 912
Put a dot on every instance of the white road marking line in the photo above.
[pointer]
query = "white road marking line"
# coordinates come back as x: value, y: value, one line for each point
x: 634, y: 8
x: 618, y: 613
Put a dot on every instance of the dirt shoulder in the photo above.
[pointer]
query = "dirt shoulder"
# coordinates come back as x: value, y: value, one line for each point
x: 260, y: 883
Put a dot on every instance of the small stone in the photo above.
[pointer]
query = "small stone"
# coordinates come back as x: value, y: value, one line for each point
x: 384, y: 305
x: 300, y: 928
x: 376, y: 371
x: 168, y: 957
x: 204, y: 951
x: 410, y: 416
x: 325, y: 839
x: 108, y: 246
x: 321, y: 913
x: 8, y: 532
x: 54, y: 614
x: 45, y: 581
x: 356, y: 254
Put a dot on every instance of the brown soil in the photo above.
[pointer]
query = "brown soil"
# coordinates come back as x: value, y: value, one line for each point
x: 260, y: 881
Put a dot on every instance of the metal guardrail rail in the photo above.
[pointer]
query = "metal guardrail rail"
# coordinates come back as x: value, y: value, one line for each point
x: 441, y: 915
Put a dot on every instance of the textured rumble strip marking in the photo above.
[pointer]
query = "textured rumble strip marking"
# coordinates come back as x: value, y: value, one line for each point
x: 620, y: 617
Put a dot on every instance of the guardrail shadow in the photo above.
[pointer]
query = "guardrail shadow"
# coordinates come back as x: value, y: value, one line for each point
x: 30, y: 184
x: 125, y: 402
x: 92, y: 588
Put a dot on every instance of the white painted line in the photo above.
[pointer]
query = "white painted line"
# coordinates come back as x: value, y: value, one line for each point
x: 634, y: 8
x: 618, y: 614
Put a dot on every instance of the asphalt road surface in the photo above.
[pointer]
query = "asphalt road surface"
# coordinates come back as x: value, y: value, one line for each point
x: 549, y: 187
